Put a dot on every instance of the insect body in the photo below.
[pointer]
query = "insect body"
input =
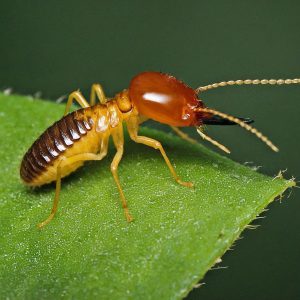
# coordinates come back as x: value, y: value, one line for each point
x: 84, y: 134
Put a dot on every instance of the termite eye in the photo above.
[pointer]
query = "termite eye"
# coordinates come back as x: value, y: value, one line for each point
x: 123, y: 102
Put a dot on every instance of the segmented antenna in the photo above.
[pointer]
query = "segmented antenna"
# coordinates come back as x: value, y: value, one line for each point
x: 247, y: 81
x: 242, y: 124
x: 214, y: 142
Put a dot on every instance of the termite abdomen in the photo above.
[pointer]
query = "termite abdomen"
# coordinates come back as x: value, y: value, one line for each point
x: 52, y: 143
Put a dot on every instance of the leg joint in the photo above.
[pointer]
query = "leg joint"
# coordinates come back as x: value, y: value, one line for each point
x: 96, y: 85
x: 113, y: 168
x: 74, y: 93
x: 157, y: 145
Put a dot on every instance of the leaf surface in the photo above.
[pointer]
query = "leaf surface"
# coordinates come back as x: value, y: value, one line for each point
x: 89, y: 250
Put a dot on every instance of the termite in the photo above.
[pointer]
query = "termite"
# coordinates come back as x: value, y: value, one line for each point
x: 83, y: 135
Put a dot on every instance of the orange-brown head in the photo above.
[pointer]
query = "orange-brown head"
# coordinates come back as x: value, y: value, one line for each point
x: 165, y: 99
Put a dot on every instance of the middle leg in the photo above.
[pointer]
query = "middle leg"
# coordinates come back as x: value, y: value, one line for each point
x: 118, y: 139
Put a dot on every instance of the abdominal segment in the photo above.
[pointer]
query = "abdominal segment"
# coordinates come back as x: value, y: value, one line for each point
x: 63, y: 139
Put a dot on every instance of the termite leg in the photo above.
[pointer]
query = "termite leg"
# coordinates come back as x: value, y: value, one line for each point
x: 204, y: 136
x: 56, y: 198
x: 132, y: 125
x: 214, y: 142
x: 64, y: 162
x: 118, y: 139
x: 183, y: 135
x: 79, y: 98
x: 97, y: 90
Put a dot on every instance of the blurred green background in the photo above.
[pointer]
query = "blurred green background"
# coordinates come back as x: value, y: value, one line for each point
x: 56, y: 47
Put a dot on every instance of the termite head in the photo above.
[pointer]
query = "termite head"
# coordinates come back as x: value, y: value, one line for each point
x: 123, y: 101
x: 165, y: 99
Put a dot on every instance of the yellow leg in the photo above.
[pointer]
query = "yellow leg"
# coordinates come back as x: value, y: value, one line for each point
x: 183, y: 135
x: 97, y: 90
x: 55, y: 201
x: 217, y: 144
x: 64, y: 162
x: 79, y: 98
x: 118, y: 139
x: 132, y: 126
x: 204, y: 136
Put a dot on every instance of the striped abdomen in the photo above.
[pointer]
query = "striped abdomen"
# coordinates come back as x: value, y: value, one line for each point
x: 59, y: 139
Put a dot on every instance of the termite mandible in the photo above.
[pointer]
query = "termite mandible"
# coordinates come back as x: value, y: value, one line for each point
x: 84, y: 134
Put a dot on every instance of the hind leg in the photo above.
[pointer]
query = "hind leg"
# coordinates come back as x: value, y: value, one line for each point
x: 63, y: 163
x: 77, y: 96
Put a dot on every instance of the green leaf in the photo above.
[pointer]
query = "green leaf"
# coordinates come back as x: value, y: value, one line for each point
x: 89, y: 250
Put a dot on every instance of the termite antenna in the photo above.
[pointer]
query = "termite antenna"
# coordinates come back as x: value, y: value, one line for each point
x: 247, y: 81
x: 241, y: 123
x: 214, y: 142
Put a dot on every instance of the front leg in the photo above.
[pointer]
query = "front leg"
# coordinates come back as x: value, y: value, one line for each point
x: 183, y: 135
x: 133, y: 126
